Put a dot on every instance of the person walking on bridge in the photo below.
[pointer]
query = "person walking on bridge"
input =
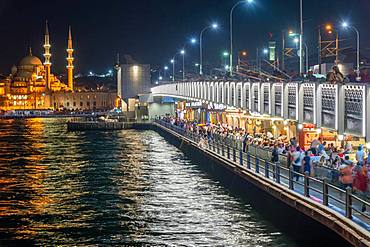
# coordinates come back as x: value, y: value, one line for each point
x: 297, y: 162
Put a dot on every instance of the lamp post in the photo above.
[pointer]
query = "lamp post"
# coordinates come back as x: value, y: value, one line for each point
x: 213, y: 26
x: 231, y: 32
x: 306, y: 51
x: 173, y: 68
x: 301, y: 39
x: 182, y: 52
x: 165, y: 70
x: 346, y: 25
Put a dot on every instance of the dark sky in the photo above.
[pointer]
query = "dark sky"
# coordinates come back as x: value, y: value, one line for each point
x: 153, y: 30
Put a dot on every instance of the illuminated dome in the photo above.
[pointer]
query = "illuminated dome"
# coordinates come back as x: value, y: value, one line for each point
x: 30, y: 60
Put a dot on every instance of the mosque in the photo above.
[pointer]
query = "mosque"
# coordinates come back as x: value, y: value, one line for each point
x: 32, y: 86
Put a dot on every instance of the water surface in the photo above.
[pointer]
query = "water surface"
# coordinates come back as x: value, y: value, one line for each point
x: 125, y: 187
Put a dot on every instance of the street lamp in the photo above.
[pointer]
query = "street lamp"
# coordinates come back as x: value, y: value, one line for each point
x: 173, y: 68
x: 345, y: 25
x: 193, y: 41
x: 182, y: 52
x: 213, y: 26
x: 231, y: 31
x: 296, y: 40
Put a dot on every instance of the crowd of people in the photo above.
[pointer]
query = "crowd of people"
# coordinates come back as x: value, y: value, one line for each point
x: 336, y: 160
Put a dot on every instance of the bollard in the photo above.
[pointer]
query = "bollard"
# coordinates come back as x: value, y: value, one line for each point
x: 277, y: 173
x: 228, y: 152
x: 349, y: 202
x: 257, y: 165
x: 248, y: 161
x: 267, y: 175
x: 306, y: 184
x: 234, y: 154
x: 291, y: 186
x: 325, y: 193
x: 241, y: 157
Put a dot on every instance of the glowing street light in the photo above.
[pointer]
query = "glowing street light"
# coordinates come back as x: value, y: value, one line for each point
x: 265, y: 51
x: 193, y: 41
x: 345, y: 25
x: 296, y: 40
x: 165, y: 67
x: 173, y: 68
x: 231, y: 31
x: 182, y: 52
x: 214, y: 26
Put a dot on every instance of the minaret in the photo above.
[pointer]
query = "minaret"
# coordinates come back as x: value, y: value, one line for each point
x: 70, y: 60
x: 47, y: 55
x: 119, y: 80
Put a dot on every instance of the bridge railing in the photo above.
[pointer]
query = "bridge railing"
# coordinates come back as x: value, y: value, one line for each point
x: 341, y: 107
x: 340, y: 200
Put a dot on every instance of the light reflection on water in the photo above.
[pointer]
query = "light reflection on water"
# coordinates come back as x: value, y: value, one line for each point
x: 59, y: 187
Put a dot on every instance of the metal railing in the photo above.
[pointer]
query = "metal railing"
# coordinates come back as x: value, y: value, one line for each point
x: 321, y: 191
x: 304, y: 102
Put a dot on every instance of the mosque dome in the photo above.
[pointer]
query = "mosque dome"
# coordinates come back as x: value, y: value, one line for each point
x: 30, y: 61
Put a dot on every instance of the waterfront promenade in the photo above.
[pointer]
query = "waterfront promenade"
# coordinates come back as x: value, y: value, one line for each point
x: 342, y: 209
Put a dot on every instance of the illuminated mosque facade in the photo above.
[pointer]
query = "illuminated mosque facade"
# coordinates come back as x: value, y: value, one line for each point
x: 32, y: 85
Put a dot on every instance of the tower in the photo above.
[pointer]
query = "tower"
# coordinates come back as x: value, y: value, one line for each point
x: 70, y: 60
x: 119, y: 82
x: 47, y: 55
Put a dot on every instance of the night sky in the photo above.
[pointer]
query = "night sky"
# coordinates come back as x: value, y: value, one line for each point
x: 153, y: 30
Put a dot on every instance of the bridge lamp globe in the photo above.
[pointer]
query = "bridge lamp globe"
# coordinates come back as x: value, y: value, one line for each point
x: 182, y: 52
x: 249, y: 1
x: 165, y: 67
x: 344, y: 24
x: 265, y: 51
x: 296, y: 40
x: 172, y: 61
x: 214, y: 25
x: 193, y: 41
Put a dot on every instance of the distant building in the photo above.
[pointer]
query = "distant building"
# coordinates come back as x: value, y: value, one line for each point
x: 132, y: 80
x: 83, y: 100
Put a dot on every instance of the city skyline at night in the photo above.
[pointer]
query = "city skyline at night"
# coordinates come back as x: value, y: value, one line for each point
x: 104, y: 29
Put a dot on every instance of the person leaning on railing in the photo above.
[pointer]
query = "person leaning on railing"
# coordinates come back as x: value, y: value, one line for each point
x: 345, y: 170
